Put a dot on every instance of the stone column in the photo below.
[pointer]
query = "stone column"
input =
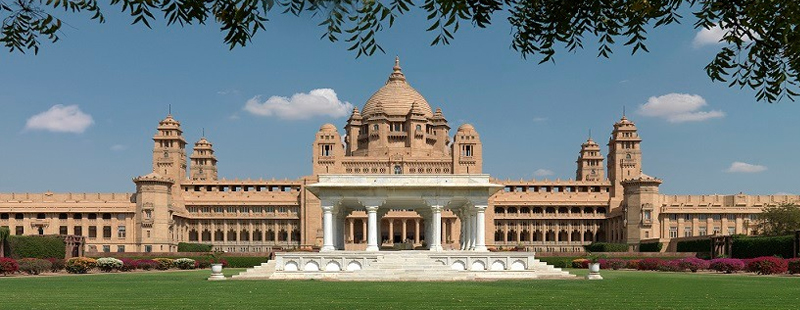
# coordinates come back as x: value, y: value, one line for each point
x: 471, y: 230
x: 436, y: 229
x: 480, y: 231
x: 372, y: 228
x: 327, y: 228
x: 363, y: 230
x: 405, y: 231
x: 391, y: 231
x: 416, y: 231
x: 351, y: 237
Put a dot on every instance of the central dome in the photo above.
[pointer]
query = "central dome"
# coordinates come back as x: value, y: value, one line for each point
x: 396, y: 97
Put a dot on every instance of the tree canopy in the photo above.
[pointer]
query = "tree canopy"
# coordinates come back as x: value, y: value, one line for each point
x: 761, y: 39
x: 779, y: 220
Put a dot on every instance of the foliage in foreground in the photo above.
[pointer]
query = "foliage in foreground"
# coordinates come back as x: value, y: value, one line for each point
x: 779, y: 220
x: 761, y: 38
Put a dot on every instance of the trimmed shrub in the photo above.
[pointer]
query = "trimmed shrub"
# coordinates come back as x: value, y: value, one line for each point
x: 580, y: 263
x: 244, y: 261
x: 185, y: 263
x: 194, y: 247
x: 145, y: 264
x: 726, y: 265
x: 109, y: 264
x: 8, y: 265
x: 767, y: 265
x: 613, y: 263
x: 34, y: 266
x: 128, y: 264
x: 558, y: 262
x: 750, y: 247
x: 650, y: 247
x: 693, y: 263
x: 164, y: 263
x: 794, y: 266
x: 56, y: 264
x: 606, y: 247
x: 699, y: 246
x: 650, y: 264
x: 671, y: 265
x: 80, y: 265
x: 36, y: 246
x: 632, y: 264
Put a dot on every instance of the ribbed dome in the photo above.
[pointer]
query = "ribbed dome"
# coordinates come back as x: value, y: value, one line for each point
x: 396, y: 97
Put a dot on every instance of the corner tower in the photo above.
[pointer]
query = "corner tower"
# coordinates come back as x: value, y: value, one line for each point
x: 204, y: 163
x: 169, y: 150
x: 590, y: 162
x: 624, y: 155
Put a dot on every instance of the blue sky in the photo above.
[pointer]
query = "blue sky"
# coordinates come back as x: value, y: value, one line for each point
x: 531, y: 117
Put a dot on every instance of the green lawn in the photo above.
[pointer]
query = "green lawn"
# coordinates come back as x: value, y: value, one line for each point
x: 190, y: 290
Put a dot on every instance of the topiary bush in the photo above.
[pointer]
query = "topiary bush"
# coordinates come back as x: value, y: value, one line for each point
x: 606, y: 247
x: 80, y: 265
x: 726, y: 265
x: 34, y: 266
x: 612, y: 263
x: 194, y: 247
x: 244, y: 261
x: 693, y: 263
x: 650, y: 264
x: 580, y: 263
x: 650, y: 247
x: 164, y: 263
x: 146, y: 264
x: 794, y: 266
x: 109, y: 264
x: 8, y: 265
x: 185, y: 263
x: 767, y: 265
x: 749, y: 247
x: 36, y: 246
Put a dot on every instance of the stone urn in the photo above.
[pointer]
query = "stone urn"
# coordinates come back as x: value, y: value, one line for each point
x: 216, y: 272
x: 594, y: 272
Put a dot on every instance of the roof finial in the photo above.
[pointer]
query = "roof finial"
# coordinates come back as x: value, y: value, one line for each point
x: 397, y: 74
x: 397, y: 61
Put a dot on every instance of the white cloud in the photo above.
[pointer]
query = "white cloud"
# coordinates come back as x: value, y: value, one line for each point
x: 543, y: 172
x: 710, y: 36
x: 740, y: 167
x: 317, y: 102
x: 678, y: 108
x: 60, y: 118
x: 119, y: 147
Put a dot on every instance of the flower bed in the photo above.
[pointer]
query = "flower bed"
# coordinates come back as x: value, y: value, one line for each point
x: 109, y: 264
x: 8, y: 265
x: 726, y: 265
x: 34, y: 266
x: 767, y: 265
x: 80, y: 265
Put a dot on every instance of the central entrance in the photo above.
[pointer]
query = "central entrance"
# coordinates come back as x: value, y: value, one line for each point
x: 466, y: 196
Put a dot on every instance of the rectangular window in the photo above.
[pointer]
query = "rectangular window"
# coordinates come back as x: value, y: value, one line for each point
x: 62, y: 230
x: 120, y: 248
x: 717, y: 230
x: 647, y: 215
x: 121, y: 231
x: 687, y: 231
x: 92, y: 231
x: 106, y: 248
x: 687, y: 217
x: 466, y: 150
x: 120, y: 216
x: 106, y: 231
x: 753, y: 217
x: 673, y: 217
x: 148, y: 248
x: 77, y: 230
x: 717, y: 217
x: 702, y: 231
x: 731, y: 230
x: 673, y: 232
x: 731, y: 217
x: 703, y: 217
x: 19, y: 230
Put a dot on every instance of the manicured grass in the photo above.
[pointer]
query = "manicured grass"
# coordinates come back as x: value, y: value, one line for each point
x: 190, y: 290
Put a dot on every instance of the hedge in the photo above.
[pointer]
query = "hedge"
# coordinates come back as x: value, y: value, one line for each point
x: 36, y: 247
x: 233, y: 261
x: 750, y: 247
x: 700, y: 246
x: 606, y: 247
x: 194, y: 247
x: 650, y: 247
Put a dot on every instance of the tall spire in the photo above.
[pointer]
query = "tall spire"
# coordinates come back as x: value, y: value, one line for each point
x: 397, y: 73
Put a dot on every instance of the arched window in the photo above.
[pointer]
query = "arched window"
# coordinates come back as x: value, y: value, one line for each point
x: 419, y: 127
x: 398, y: 169
x: 628, y: 156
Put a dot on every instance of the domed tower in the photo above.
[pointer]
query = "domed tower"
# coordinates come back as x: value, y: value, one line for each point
x: 328, y: 150
x: 204, y: 163
x: 169, y: 150
x: 397, y: 120
x: 352, y: 131
x: 624, y: 155
x: 590, y: 162
x: 467, y: 151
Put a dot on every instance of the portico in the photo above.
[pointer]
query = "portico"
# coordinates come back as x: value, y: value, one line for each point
x: 428, y: 195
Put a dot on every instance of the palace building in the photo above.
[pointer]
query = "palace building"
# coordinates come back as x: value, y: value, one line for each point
x: 395, y: 177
